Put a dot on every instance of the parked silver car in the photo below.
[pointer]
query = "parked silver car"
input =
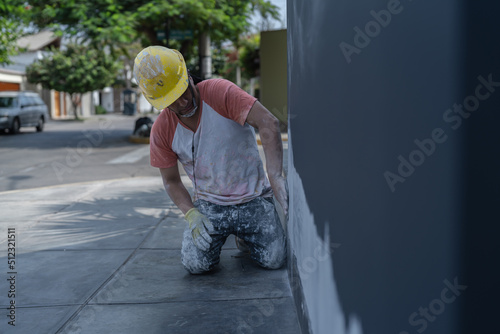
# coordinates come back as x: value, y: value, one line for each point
x: 22, y: 109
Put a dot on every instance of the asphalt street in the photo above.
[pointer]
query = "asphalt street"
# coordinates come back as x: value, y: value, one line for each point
x: 97, y: 148
x: 73, y: 151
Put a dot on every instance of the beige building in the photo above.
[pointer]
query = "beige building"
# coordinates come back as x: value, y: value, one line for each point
x: 273, y: 73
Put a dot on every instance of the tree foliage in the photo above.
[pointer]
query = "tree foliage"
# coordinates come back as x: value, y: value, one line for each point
x: 115, y: 23
x: 12, y: 14
x: 75, y: 70
x: 245, y: 55
x: 250, y: 56
x: 97, y: 23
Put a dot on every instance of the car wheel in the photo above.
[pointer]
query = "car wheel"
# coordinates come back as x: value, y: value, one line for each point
x: 15, y: 126
x: 39, y: 127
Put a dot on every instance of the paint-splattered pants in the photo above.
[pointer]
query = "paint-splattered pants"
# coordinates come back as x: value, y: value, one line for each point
x: 256, y: 222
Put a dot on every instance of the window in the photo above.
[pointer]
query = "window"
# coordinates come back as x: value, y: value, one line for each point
x: 7, y: 102
x: 23, y: 101
x: 38, y: 100
x: 31, y: 100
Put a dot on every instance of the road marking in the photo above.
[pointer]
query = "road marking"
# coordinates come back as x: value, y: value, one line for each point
x: 27, y: 170
x: 89, y: 183
x: 131, y: 157
x: 139, y: 153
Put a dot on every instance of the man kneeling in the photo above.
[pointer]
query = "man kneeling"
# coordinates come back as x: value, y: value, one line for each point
x: 209, y: 127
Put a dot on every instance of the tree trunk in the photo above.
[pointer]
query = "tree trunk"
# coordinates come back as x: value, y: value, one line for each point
x: 236, y: 46
x: 238, y: 74
x: 185, y: 46
x: 151, y: 34
x: 75, y: 100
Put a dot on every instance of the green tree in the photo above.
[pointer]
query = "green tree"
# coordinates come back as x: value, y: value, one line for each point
x: 249, y: 54
x: 100, y: 24
x: 12, y: 14
x: 242, y: 61
x: 76, y: 70
x: 115, y: 23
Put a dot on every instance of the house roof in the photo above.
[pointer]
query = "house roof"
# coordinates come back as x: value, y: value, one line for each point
x: 38, y: 41
x: 12, y: 72
x: 21, y: 61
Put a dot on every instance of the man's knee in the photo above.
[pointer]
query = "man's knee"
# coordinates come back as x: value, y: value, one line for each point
x: 198, y: 270
x: 277, y: 262
x: 273, y: 257
x: 197, y: 266
x: 196, y: 261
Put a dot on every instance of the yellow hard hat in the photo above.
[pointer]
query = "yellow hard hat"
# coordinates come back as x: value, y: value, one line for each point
x: 161, y: 74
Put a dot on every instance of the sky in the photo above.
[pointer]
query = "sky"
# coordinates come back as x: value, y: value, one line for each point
x: 281, y: 4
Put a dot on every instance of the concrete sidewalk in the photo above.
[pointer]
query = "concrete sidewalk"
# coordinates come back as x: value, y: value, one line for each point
x: 104, y: 257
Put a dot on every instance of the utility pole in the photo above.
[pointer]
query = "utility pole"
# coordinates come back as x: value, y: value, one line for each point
x: 205, y: 56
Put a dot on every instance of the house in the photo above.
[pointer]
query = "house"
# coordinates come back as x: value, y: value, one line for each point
x: 11, y: 80
x: 13, y: 76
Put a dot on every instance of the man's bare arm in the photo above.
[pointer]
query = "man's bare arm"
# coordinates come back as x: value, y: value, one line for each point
x: 176, y: 189
x: 268, y: 125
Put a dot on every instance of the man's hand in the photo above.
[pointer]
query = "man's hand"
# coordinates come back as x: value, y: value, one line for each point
x: 200, y: 228
x: 279, y: 185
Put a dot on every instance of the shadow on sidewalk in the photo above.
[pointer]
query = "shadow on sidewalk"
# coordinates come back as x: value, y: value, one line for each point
x: 108, y: 261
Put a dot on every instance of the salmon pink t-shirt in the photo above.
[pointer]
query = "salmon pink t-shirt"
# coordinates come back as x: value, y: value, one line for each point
x: 221, y: 157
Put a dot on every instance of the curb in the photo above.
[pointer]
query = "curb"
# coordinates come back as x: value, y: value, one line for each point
x: 284, y: 137
x: 138, y: 140
x: 145, y: 140
x: 82, y: 183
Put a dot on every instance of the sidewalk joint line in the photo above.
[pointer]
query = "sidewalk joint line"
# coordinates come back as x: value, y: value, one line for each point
x: 113, y: 275
x: 188, y: 301
x: 42, y: 306
x: 79, y: 250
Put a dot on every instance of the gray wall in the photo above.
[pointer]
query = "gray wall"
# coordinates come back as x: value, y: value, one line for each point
x: 363, y: 109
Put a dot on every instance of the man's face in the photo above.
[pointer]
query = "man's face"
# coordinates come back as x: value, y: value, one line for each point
x: 184, y: 104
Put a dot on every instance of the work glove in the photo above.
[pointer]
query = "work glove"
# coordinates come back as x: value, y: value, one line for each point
x: 200, y: 228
